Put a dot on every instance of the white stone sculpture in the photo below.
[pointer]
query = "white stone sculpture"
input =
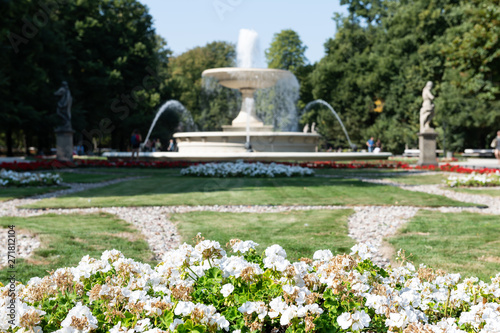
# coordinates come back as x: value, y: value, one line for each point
x: 427, y: 110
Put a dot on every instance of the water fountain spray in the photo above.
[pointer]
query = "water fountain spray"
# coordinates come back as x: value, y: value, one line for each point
x: 322, y: 102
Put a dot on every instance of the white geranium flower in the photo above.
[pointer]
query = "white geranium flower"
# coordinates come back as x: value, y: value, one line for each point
x: 227, y: 289
x: 82, y: 312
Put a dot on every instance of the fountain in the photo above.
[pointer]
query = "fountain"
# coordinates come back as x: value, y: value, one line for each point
x: 280, y: 142
x: 247, y: 128
x: 185, y: 116
x: 322, y: 102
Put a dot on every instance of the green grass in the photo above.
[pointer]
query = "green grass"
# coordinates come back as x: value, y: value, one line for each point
x: 494, y: 192
x: 300, y: 233
x: 463, y: 243
x: 177, y: 190
x: 419, y: 179
x: 73, y: 177
x: 10, y: 193
x: 65, y: 239
x: 376, y: 173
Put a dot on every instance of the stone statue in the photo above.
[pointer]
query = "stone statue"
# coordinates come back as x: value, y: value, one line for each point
x: 306, y: 128
x: 64, y: 107
x: 427, y: 110
x: 313, y: 128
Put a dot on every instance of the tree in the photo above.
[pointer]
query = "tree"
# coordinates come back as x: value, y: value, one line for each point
x: 286, y: 51
x: 210, y: 104
x: 387, y: 50
x: 108, y: 52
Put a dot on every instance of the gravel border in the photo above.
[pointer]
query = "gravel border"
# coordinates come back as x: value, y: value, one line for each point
x: 368, y: 224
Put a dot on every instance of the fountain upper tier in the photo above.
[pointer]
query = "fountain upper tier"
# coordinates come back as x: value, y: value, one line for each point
x: 247, y: 81
x: 247, y: 78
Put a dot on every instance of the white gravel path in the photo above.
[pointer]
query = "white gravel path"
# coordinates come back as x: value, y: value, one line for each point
x: 369, y: 224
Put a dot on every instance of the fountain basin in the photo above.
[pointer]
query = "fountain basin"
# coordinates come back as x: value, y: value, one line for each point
x: 196, y: 143
x: 268, y: 157
x: 247, y: 78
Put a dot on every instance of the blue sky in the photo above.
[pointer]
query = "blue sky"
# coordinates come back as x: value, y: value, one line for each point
x: 189, y: 23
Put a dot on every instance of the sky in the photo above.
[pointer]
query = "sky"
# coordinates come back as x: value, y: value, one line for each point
x: 186, y: 24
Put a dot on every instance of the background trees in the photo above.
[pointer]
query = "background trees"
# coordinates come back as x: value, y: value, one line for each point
x: 120, y: 72
x: 106, y: 50
x: 387, y: 50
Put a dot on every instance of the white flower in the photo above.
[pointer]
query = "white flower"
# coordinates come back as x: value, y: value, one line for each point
x: 365, y: 251
x: 246, y: 169
x: 176, y: 323
x: 80, y: 312
x: 323, y: 255
x: 244, y: 246
x: 227, y: 289
x: 345, y: 320
x: 275, y: 250
x: 184, y: 308
x: 360, y: 320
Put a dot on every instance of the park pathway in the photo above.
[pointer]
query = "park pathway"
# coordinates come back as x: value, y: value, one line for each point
x: 368, y: 224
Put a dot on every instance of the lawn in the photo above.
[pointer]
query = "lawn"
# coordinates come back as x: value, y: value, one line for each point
x: 301, y: 233
x: 10, y: 193
x: 463, y: 243
x: 177, y: 190
x: 419, y: 179
x: 65, y: 239
x: 74, y: 177
x: 494, y: 192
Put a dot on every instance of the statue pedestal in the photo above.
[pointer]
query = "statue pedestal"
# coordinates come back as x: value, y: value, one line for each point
x: 64, y: 144
x: 427, y: 147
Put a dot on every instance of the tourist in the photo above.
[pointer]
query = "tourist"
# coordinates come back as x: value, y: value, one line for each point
x: 157, y: 145
x: 171, y: 145
x: 149, y: 145
x: 378, y: 145
x: 370, y: 143
x: 495, y: 144
x: 135, y: 141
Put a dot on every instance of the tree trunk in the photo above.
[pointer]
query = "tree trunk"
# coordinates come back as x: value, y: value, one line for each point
x: 9, y: 142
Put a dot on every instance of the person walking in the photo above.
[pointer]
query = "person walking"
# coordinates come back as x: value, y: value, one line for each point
x: 135, y: 141
x: 495, y: 144
x: 370, y: 144
x: 171, y: 145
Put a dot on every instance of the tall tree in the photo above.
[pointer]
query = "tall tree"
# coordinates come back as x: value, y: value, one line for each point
x: 286, y: 51
x: 108, y: 52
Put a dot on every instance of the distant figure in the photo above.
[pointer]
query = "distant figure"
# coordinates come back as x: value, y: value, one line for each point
x: 306, y: 128
x: 171, y: 145
x: 135, y: 141
x: 153, y: 146
x: 370, y: 144
x: 378, y: 144
x: 427, y: 110
x: 158, y: 145
x: 313, y: 128
x: 64, y: 107
x: 495, y: 144
x: 149, y: 145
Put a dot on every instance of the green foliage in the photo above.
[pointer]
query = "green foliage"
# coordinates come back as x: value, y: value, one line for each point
x: 286, y: 51
x: 213, y: 106
x: 387, y: 50
x: 108, y: 52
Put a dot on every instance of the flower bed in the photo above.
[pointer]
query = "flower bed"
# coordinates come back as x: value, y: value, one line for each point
x: 474, y: 180
x: 246, y: 170
x: 383, y: 164
x: 203, y: 289
x: 12, y: 178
